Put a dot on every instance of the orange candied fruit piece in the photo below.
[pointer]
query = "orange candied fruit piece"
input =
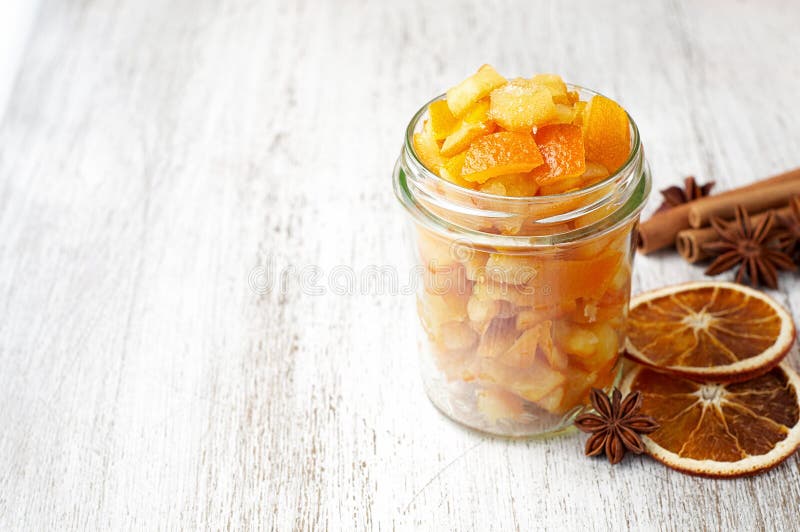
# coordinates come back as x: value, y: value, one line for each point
x: 606, y: 133
x: 568, y: 279
x: 561, y: 146
x: 504, y: 152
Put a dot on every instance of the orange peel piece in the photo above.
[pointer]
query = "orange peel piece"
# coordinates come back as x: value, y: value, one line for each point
x: 606, y: 133
x: 504, y: 152
x: 561, y: 146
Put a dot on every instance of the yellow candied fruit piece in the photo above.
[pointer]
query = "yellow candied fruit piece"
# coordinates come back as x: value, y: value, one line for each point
x: 554, y: 356
x: 531, y: 384
x: 590, y: 312
x: 479, y: 112
x: 552, y: 401
x: 576, y: 391
x: 522, y: 352
x: 466, y: 131
x: 573, y: 97
x: 561, y: 187
x: 456, y: 335
x: 493, y: 187
x: 508, y: 226
x: 606, y: 349
x: 481, y: 312
x: 498, y: 338
x: 455, y: 365
x: 507, y: 310
x: 537, y: 339
x: 442, y: 120
x: 517, y: 185
x: 496, y: 404
x: 528, y: 317
x: 543, y: 380
x: 578, y: 108
x: 556, y: 86
x: 576, y: 340
x: 565, y: 114
x: 585, y: 311
x: 436, y: 310
x: 463, y: 136
x: 427, y: 149
x: 440, y: 279
x: 594, y: 172
x: 512, y: 269
x: 621, y: 281
x: 508, y: 183
x: 475, y: 264
x: 487, y: 289
x: 436, y: 253
x: 451, y: 170
x: 519, y: 108
x: 472, y: 89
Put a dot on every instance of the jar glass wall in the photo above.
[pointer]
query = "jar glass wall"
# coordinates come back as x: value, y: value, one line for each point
x: 522, y: 301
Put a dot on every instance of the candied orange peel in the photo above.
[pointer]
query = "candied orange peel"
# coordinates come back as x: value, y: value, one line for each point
x: 522, y: 137
x: 501, y: 153
x: 524, y: 333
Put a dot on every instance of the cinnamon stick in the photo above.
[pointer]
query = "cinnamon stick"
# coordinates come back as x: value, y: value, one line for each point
x: 690, y: 241
x: 757, y: 200
x: 662, y: 228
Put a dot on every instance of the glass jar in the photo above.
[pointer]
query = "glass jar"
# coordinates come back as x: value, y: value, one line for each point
x: 523, y: 300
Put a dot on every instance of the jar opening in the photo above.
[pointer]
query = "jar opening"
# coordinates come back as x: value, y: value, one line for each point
x: 521, y: 221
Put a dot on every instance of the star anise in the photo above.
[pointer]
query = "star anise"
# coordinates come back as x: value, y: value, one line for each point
x: 617, y: 425
x: 748, y: 247
x: 791, y: 225
x: 674, y: 196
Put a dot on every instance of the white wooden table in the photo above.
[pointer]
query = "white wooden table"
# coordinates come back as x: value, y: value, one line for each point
x: 158, y: 156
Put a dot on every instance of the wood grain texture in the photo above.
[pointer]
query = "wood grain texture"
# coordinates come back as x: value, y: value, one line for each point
x: 156, y: 159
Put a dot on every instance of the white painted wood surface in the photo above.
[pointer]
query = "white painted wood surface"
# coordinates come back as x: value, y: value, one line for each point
x: 156, y: 154
x: 16, y: 19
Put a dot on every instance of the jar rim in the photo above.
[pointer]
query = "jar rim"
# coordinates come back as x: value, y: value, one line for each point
x: 630, y: 208
x: 630, y: 161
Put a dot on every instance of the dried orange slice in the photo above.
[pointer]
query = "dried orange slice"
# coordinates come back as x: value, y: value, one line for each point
x: 720, y: 430
x: 709, y: 331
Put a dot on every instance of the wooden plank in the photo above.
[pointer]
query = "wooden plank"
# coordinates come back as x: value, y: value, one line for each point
x: 157, y: 157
